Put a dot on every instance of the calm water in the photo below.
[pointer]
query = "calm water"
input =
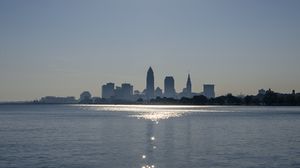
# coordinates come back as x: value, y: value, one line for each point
x: 36, y: 136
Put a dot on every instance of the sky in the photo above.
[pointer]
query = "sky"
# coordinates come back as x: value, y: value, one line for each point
x: 64, y: 47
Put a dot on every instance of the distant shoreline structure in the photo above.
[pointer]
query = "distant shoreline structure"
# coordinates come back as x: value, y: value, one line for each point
x: 125, y: 94
x: 269, y: 98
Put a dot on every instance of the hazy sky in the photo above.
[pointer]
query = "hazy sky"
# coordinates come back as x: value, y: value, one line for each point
x: 63, y: 47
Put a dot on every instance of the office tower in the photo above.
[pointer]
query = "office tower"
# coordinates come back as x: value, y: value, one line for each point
x: 108, y: 90
x: 150, y: 84
x: 127, y: 91
x: 158, y: 92
x: 189, y: 86
x: 187, y: 91
x: 209, y: 90
x: 169, y: 87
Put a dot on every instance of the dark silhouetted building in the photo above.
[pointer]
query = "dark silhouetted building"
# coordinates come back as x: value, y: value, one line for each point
x: 209, y: 90
x: 125, y: 92
x: 108, y: 90
x: 189, y: 85
x: 169, y: 87
x: 187, y: 91
x: 158, y: 92
x: 118, y: 93
x: 150, y: 84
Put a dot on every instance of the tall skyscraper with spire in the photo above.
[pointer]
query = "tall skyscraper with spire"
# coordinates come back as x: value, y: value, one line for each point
x: 150, y: 84
x: 187, y: 91
x: 189, y: 85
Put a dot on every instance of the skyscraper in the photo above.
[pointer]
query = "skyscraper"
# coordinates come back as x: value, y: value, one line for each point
x: 108, y: 90
x: 189, y: 85
x: 187, y: 91
x: 169, y: 87
x: 209, y: 90
x: 127, y: 91
x: 158, y: 92
x: 150, y: 84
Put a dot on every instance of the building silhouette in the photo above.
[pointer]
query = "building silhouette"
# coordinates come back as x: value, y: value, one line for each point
x: 189, y: 85
x: 187, y: 91
x: 209, y: 90
x: 150, y: 84
x: 123, y: 92
x: 108, y: 90
x: 158, y: 92
x: 169, y: 87
x: 127, y: 91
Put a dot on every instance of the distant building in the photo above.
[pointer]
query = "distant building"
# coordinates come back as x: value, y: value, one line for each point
x: 150, y: 84
x: 189, y: 85
x: 108, y: 90
x: 187, y: 91
x: 158, y: 92
x: 209, y: 90
x: 118, y: 93
x: 169, y: 87
x: 125, y: 92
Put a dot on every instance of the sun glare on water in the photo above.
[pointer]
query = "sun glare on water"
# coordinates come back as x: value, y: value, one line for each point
x: 162, y: 112
x: 149, y: 112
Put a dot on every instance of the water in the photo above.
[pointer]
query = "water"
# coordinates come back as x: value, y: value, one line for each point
x: 76, y: 136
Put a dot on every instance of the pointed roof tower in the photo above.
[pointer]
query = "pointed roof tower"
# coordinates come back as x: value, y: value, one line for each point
x: 189, y: 85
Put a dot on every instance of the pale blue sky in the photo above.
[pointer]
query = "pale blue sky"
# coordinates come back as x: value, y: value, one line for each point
x: 63, y: 47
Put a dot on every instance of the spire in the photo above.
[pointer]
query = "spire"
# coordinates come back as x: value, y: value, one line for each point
x: 189, y: 85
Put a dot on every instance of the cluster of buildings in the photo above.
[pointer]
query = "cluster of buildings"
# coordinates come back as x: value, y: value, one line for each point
x: 126, y: 92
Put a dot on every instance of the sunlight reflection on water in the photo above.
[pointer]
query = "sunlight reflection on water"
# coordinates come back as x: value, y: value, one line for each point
x: 161, y: 112
x: 151, y: 112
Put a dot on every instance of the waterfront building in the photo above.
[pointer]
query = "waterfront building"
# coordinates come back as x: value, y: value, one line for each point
x: 169, y: 87
x: 187, y: 91
x: 108, y: 90
x: 158, y: 92
x: 209, y: 90
x: 125, y: 92
x: 150, y: 84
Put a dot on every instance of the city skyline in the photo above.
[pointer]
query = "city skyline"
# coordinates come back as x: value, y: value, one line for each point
x: 64, y: 47
x: 152, y: 91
